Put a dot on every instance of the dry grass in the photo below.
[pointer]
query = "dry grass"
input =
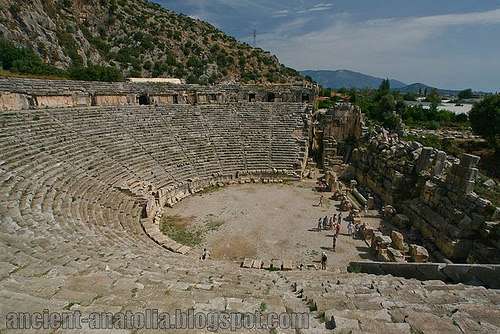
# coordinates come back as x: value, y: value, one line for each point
x: 177, y: 228
x: 233, y: 248
x: 181, y: 229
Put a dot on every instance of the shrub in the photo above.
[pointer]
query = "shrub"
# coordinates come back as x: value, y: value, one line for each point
x: 96, y: 73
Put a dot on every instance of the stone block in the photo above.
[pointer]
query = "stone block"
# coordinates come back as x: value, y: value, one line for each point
x: 277, y: 264
x: 395, y: 255
x: 430, y: 271
x: 266, y: 264
x: 397, y: 241
x: 257, y: 264
x: 365, y: 267
x: 288, y: 264
x: 419, y: 254
x: 400, y: 220
x: 383, y: 255
x: 340, y: 324
x: 247, y: 263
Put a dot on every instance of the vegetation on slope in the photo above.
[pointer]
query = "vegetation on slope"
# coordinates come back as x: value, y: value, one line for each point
x: 135, y: 37
x: 17, y: 60
x: 485, y: 121
x: 387, y: 107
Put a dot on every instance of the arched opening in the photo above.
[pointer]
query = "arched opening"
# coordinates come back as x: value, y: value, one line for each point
x: 252, y: 97
x: 144, y: 100
x: 271, y: 97
x: 305, y: 98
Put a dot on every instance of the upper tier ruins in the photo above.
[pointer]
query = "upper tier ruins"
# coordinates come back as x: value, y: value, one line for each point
x: 19, y: 94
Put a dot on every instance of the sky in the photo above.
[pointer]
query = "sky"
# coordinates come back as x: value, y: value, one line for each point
x: 453, y: 44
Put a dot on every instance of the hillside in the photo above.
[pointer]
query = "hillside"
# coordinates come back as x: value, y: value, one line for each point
x: 137, y: 37
x: 348, y: 79
x: 419, y: 88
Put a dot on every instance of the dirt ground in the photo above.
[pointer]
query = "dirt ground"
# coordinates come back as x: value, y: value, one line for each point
x: 274, y: 221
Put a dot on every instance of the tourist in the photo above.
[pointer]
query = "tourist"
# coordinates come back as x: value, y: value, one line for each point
x: 349, y: 228
x: 331, y: 223
x: 321, y: 201
x: 340, y: 218
x: 325, y: 222
x: 205, y: 255
x: 366, y: 210
x: 337, y: 230
x: 334, y: 242
x: 320, y: 221
x: 324, y: 259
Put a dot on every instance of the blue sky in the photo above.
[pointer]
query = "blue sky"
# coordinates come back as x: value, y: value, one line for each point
x: 445, y: 43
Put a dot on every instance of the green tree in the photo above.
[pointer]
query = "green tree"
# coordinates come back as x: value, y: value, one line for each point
x: 465, y: 94
x: 384, y: 88
x: 387, y: 103
x: 96, y: 73
x: 485, y: 120
x: 434, y: 99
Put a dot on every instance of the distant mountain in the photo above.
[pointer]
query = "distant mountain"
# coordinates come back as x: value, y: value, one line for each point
x: 422, y: 88
x: 348, y: 79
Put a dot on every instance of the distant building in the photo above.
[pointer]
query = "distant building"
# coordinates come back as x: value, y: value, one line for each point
x: 457, y: 109
x: 174, y: 81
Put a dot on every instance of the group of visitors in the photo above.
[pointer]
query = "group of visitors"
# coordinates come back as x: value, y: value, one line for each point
x: 333, y: 223
x: 330, y: 223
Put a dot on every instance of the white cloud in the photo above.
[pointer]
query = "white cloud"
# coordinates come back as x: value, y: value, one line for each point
x: 386, y: 46
x: 317, y: 8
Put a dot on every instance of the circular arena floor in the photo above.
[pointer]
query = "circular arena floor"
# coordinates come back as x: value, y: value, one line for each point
x: 270, y: 221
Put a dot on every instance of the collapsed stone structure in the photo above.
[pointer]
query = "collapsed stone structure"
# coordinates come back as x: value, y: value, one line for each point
x: 81, y: 186
x: 330, y: 131
x: 18, y: 94
x: 433, y: 193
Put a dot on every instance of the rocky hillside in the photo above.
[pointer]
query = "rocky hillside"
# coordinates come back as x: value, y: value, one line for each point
x: 138, y: 37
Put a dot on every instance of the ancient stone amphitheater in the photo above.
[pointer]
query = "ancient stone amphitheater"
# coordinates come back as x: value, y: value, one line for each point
x: 85, y: 168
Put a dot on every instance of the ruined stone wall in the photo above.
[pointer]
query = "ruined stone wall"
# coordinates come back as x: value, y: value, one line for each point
x: 13, y: 101
x: 434, y: 192
x: 21, y: 94
x: 334, y: 126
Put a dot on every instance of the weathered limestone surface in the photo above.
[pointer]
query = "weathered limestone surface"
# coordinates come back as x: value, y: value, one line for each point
x: 366, y: 303
x: 432, y: 192
x: 475, y: 274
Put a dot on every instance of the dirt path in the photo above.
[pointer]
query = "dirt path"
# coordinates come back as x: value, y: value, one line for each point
x: 275, y: 221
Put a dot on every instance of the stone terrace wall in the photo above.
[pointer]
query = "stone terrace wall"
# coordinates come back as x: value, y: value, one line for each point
x: 434, y: 193
x: 19, y: 94
x: 473, y: 274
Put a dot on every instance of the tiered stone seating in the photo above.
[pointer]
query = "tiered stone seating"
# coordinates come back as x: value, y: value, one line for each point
x: 360, y: 303
x: 73, y: 187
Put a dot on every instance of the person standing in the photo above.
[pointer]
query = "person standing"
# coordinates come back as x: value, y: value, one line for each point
x: 349, y: 228
x: 334, y: 242
x: 337, y: 230
x: 324, y: 259
x: 321, y: 201
x: 205, y: 255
